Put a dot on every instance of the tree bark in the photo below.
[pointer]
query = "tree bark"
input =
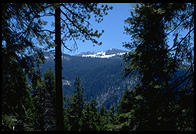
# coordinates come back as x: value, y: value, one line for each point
x: 58, y: 73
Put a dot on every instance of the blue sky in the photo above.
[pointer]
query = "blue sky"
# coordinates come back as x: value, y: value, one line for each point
x: 113, y: 26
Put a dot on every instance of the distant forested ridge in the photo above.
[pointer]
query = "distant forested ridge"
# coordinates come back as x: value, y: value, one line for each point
x: 102, y: 78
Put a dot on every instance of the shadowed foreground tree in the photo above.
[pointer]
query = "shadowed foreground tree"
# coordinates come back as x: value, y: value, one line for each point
x: 157, y: 63
x: 58, y: 72
x: 19, y: 57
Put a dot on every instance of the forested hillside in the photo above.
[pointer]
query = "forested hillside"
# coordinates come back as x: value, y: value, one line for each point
x: 102, y: 77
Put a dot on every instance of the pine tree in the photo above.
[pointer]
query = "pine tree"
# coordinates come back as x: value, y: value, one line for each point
x: 44, y: 98
x: 90, y: 117
x: 50, y: 100
x: 19, y: 56
x: 38, y: 96
x: 107, y: 118
x: 128, y: 110
x: 153, y: 60
x: 75, y: 106
x: 127, y: 102
x: 16, y: 101
x: 103, y: 118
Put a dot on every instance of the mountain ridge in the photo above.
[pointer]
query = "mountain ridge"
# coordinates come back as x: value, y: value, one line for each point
x: 101, y: 78
x: 112, y: 52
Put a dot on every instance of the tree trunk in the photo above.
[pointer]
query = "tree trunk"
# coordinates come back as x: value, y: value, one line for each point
x: 58, y: 72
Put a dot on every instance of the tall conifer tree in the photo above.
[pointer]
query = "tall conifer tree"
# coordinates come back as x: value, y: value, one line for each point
x: 153, y: 59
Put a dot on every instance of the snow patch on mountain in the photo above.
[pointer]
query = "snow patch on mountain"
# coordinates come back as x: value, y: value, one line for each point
x: 100, y: 54
x: 103, y: 54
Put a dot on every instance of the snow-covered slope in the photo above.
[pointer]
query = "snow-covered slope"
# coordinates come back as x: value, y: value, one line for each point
x: 111, y: 53
x: 103, y: 54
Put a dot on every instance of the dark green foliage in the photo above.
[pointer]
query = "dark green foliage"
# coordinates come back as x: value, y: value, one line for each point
x: 38, y: 96
x: 104, y: 118
x: 80, y: 115
x: 19, y: 56
x: 49, y: 81
x: 125, y: 119
x: 79, y: 94
x: 90, y: 117
x: 156, y: 63
x: 16, y: 101
x: 127, y: 102
x: 185, y: 111
x: 75, y: 107
x: 44, y: 97
x: 7, y: 122
x: 108, y: 118
x: 50, y: 100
